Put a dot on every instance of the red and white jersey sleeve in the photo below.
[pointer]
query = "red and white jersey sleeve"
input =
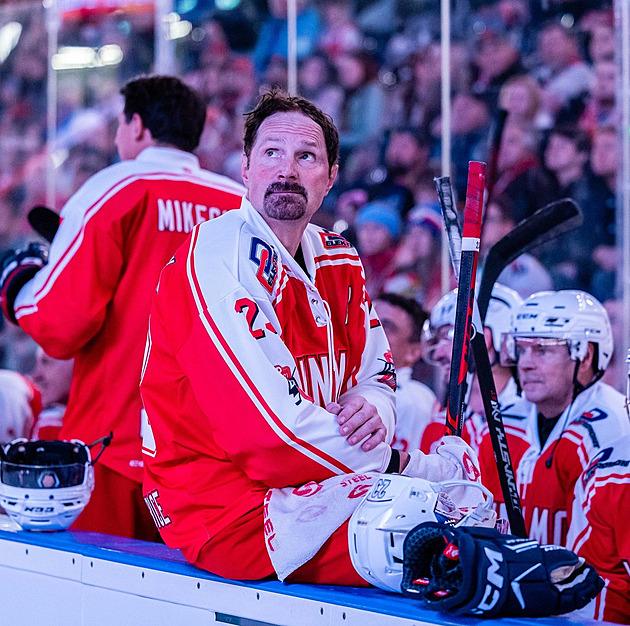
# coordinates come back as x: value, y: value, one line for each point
x: 92, y: 300
x: 547, y: 475
x: 244, y: 350
x: 599, y: 528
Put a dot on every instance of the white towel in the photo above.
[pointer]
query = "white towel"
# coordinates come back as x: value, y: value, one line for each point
x: 298, y: 521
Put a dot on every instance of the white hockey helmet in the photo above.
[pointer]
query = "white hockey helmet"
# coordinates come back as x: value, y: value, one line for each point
x: 442, y: 314
x: 504, y: 302
x: 569, y: 315
x: 396, y: 504
x: 44, y: 485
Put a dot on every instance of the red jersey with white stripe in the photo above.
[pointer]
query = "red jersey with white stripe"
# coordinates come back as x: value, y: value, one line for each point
x: 599, y: 528
x: 547, y: 474
x: 92, y: 300
x: 245, y: 348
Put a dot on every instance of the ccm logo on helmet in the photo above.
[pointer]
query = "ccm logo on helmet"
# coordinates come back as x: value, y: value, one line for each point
x: 39, y: 509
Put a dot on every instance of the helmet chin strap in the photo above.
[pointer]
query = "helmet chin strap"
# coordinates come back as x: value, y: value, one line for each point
x: 578, y: 387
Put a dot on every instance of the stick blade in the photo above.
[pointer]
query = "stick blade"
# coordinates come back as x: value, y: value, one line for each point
x: 44, y: 221
x: 553, y: 220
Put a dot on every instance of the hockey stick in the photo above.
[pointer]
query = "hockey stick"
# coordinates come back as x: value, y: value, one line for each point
x: 44, y: 221
x: 546, y: 224
x: 495, y: 149
x: 465, y: 297
x: 489, y: 395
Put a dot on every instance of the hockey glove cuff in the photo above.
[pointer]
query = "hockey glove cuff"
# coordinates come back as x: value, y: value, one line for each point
x: 478, y: 571
x: 17, y: 267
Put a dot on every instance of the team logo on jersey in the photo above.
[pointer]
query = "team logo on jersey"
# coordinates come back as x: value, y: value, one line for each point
x: 294, y: 389
x: 600, y: 457
x: 388, y: 371
x: 307, y: 490
x: 265, y: 258
x: 594, y: 415
x: 333, y: 240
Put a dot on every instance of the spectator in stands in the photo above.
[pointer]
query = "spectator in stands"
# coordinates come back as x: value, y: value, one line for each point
x: 517, y: 154
x: 272, y: 39
x: 402, y: 320
x: 340, y: 32
x: 601, y: 43
x: 378, y: 228
x: 526, y: 274
x: 496, y: 60
x: 53, y: 378
x: 600, y: 109
x: 417, y: 266
x: 605, y: 166
x: 406, y: 162
x: 362, y: 112
x: 415, y: 99
x: 469, y: 124
x: 563, y: 73
x: 348, y: 205
x: 317, y: 82
x: 521, y: 97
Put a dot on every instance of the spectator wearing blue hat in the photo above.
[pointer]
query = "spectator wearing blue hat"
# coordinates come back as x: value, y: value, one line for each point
x: 378, y: 227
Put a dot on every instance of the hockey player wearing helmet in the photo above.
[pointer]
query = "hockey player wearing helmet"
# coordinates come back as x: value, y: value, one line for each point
x: 599, y: 526
x: 438, y: 339
x: 561, y: 343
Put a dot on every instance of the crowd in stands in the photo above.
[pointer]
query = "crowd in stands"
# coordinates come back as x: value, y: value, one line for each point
x: 375, y: 68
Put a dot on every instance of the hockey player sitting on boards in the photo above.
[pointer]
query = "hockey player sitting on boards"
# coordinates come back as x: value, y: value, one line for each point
x: 267, y: 386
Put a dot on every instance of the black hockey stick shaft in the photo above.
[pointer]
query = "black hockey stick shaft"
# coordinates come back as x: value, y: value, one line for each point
x: 544, y: 225
x: 463, y: 328
x: 487, y: 387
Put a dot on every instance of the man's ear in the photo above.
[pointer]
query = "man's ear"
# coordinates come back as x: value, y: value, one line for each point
x: 244, y: 168
x: 333, y: 177
x: 586, y: 369
x: 138, y: 128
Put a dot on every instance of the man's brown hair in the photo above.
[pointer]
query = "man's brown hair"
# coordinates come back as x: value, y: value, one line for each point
x: 279, y: 101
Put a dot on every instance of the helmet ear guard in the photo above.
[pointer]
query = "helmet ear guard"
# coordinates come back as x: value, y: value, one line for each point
x: 45, y: 485
x: 393, y: 506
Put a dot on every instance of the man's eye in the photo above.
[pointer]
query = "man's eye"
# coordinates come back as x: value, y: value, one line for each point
x: 308, y: 156
x: 271, y: 152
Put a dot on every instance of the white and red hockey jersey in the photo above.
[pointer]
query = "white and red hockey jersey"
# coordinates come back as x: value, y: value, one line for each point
x: 244, y: 350
x: 547, y: 474
x: 416, y: 405
x: 599, y: 528
x: 92, y: 300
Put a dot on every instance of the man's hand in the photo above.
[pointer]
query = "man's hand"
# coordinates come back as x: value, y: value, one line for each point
x: 359, y: 419
x: 17, y: 267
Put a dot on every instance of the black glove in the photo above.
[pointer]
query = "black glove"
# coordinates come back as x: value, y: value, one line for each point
x: 17, y: 267
x: 478, y: 571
